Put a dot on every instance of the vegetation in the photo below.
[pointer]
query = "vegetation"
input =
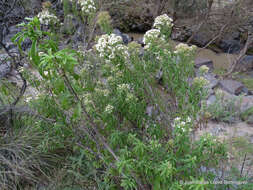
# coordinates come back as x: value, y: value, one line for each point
x: 88, y: 126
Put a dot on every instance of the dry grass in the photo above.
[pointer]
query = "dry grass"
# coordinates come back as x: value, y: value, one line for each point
x: 21, y: 161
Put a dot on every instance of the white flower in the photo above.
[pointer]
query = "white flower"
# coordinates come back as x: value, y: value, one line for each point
x: 188, y: 120
x: 163, y: 21
x: 185, y: 49
x: 182, y: 123
x: 130, y: 97
x: 123, y: 87
x: 203, y: 69
x: 45, y: 73
x: 151, y: 35
x: 109, y: 109
x: 46, y: 18
x: 87, y: 6
x: 200, y: 81
x: 28, y: 99
x: 108, y: 45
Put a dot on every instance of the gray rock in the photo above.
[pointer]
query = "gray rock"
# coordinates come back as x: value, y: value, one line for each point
x: 213, y: 82
x: 152, y: 111
x: 5, y: 65
x: 200, y: 39
x: 159, y: 75
x: 230, y: 45
x: 126, y: 39
x: 202, y: 61
x: 246, y: 102
x: 232, y: 86
x: 7, y: 40
x: 250, y: 120
x: 79, y: 34
x: 211, y: 100
x: 245, y: 64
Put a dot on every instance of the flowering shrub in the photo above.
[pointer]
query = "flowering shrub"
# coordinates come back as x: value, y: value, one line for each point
x: 164, y: 24
x: 100, y: 98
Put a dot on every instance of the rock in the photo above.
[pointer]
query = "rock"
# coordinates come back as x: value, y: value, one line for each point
x: 245, y: 91
x: 200, y: 39
x: 5, y: 65
x: 20, y: 10
x: 232, y: 86
x: 126, y: 39
x: 211, y: 100
x: 246, y: 103
x: 250, y: 120
x: 142, y: 51
x: 7, y: 40
x: 180, y: 34
x: 245, y: 64
x: 152, y: 111
x: 213, y: 82
x: 79, y: 34
x: 159, y: 76
x: 230, y: 45
x: 202, y: 61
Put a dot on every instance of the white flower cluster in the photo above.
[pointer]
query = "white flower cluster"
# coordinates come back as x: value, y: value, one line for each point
x: 163, y: 21
x: 185, y: 49
x: 109, y: 109
x: 87, y: 6
x: 123, y: 87
x: 203, y: 69
x: 123, y: 51
x: 151, y: 36
x: 109, y: 45
x: 200, y: 81
x: 47, y: 18
x: 181, y: 124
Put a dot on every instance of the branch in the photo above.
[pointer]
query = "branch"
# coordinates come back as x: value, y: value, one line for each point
x: 241, y: 54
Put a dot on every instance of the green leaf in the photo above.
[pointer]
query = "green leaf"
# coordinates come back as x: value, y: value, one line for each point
x: 34, y: 54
